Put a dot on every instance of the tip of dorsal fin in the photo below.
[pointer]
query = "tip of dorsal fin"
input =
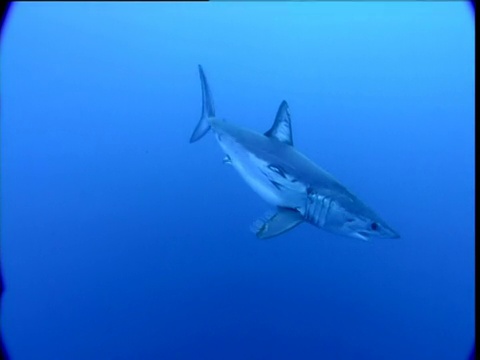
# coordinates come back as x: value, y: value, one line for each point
x: 282, y: 126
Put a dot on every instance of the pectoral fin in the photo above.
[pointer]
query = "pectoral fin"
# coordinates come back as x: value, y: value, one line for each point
x: 277, y: 223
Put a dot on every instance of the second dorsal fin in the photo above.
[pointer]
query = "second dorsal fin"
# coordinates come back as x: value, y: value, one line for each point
x: 282, y: 126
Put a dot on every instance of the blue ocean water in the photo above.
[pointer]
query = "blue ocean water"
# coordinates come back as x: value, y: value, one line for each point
x: 120, y: 240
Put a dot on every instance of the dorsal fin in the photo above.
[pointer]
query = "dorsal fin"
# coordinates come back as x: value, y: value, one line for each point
x: 282, y: 126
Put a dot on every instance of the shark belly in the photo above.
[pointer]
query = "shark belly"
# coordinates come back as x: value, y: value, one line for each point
x: 254, y: 177
x: 273, y: 188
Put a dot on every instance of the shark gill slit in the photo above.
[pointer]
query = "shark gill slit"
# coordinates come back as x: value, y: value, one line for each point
x: 317, y: 208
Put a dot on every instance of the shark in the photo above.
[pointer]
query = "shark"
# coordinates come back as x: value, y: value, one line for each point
x: 299, y: 190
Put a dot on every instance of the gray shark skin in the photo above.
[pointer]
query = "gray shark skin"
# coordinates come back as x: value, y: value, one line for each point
x: 300, y: 190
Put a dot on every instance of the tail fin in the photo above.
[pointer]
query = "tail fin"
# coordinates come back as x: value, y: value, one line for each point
x: 208, y: 109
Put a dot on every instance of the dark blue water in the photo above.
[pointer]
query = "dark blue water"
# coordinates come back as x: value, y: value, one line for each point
x: 120, y: 240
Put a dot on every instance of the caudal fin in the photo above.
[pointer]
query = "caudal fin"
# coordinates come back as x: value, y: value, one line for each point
x: 208, y: 109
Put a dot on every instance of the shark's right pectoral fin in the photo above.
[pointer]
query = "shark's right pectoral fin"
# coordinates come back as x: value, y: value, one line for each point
x: 277, y: 223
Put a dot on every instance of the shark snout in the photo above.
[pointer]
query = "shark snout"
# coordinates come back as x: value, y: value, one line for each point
x: 390, y: 233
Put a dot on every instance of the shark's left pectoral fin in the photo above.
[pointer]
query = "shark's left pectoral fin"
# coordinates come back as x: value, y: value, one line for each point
x: 282, y: 126
x: 277, y: 223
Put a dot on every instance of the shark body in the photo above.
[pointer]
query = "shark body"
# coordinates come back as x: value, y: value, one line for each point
x: 300, y: 190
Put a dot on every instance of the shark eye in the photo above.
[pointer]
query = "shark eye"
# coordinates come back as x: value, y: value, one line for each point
x: 374, y: 226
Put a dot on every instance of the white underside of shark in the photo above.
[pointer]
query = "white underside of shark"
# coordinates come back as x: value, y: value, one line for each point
x: 299, y: 190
